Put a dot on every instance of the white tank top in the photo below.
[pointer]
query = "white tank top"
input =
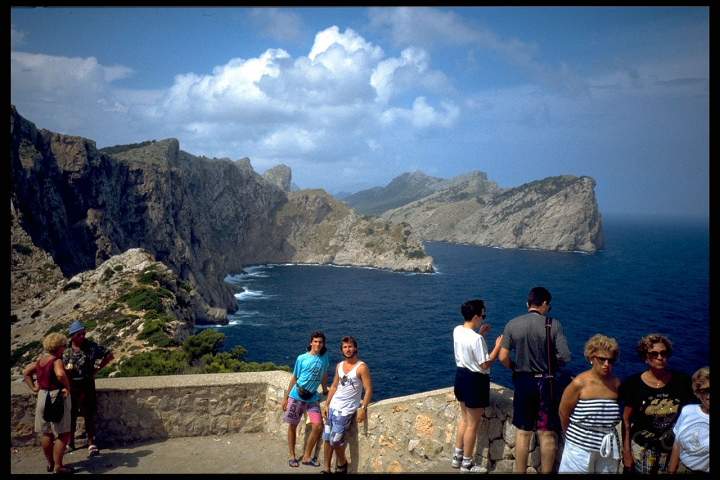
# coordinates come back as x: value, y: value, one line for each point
x: 348, y: 395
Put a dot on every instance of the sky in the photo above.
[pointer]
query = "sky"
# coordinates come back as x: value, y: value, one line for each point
x: 351, y: 97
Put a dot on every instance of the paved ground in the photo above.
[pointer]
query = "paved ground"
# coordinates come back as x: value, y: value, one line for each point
x: 235, y: 453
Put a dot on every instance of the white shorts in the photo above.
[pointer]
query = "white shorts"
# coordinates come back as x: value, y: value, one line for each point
x: 578, y: 460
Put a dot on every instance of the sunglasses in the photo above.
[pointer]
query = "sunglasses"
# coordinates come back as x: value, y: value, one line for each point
x: 656, y: 354
x: 606, y: 359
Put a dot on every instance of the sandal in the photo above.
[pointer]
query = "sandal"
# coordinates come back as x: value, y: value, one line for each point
x: 64, y: 470
x: 293, y: 462
x: 341, y: 468
x: 50, y: 467
x: 312, y: 463
x: 93, y: 450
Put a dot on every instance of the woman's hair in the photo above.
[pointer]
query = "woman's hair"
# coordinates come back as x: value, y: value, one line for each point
x: 318, y: 334
x: 646, y: 343
x: 601, y: 343
x: 54, y: 341
x: 700, y: 379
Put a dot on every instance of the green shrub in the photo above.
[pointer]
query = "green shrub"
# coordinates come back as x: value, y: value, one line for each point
x: 109, y: 272
x: 71, y: 286
x: 206, y: 342
x: 33, y: 348
x: 143, y: 298
x: 415, y: 253
x: 119, y: 267
x: 58, y: 327
x: 22, y: 249
x: 156, y: 362
x: 187, y: 286
x: 148, y: 277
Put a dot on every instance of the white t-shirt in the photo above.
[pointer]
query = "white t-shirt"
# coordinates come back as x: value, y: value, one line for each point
x: 470, y: 349
x: 692, y: 431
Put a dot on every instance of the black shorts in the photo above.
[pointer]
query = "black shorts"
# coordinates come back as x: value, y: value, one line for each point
x: 472, y: 388
x: 534, y: 408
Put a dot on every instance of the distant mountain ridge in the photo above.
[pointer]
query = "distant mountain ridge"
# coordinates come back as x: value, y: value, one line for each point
x: 555, y: 213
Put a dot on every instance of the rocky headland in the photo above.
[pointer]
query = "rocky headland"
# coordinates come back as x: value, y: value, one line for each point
x: 75, y: 207
x: 555, y: 213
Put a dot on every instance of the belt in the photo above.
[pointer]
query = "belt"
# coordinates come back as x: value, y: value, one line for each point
x: 535, y: 375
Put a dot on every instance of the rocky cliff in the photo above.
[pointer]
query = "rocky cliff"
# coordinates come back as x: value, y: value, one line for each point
x: 556, y: 213
x: 77, y: 206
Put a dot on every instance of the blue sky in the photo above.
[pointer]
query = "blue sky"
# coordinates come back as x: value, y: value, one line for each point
x: 351, y: 97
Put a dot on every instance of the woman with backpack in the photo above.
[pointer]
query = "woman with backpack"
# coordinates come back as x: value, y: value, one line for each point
x: 52, y: 409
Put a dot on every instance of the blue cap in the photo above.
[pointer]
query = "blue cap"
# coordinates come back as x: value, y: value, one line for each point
x: 75, y: 327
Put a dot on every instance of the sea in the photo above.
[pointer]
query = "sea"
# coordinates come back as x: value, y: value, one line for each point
x: 651, y: 276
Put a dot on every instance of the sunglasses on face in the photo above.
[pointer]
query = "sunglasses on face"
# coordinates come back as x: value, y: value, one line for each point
x: 656, y: 354
x: 609, y: 360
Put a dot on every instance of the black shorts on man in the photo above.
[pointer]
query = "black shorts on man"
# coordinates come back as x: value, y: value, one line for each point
x: 472, y: 388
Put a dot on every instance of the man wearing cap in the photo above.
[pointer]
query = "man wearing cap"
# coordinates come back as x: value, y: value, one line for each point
x: 80, y: 360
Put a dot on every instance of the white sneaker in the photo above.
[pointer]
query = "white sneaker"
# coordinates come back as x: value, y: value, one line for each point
x: 472, y: 469
x: 456, y: 461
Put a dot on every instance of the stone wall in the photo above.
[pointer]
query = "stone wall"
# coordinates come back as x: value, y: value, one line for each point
x: 403, y: 434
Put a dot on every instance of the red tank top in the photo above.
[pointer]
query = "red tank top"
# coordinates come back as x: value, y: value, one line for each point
x: 46, y: 378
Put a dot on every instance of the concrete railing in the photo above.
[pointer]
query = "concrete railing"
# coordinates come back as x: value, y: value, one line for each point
x: 403, y: 434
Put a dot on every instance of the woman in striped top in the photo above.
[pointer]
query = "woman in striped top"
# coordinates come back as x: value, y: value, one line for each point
x: 590, y: 413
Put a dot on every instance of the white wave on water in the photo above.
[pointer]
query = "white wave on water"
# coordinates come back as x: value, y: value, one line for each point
x: 333, y: 265
x: 251, y: 295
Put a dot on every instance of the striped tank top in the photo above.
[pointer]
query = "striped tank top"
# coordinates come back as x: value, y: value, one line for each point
x: 591, y: 421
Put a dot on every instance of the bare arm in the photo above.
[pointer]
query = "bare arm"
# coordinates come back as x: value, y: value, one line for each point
x: 27, y: 376
x: 674, y: 458
x: 505, y: 358
x: 494, y: 354
x: 628, y: 461
x: 324, y: 382
x: 364, y: 374
x: 106, y: 359
x: 331, y: 394
x: 293, y: 381
x: 568, y: 402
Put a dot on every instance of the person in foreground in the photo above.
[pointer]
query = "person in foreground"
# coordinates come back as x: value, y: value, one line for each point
x: 345, y: 403
x: 80, y: 359
x: 590, y: 413
x: 691, y: 450
x: 653, y: 400
x: 51, y: 377
x: 535, y: 402
x: 301, y: 396
x: 472, y: 380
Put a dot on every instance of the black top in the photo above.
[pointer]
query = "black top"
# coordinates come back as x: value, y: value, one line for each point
x: 655, y: 410
x: 83, y: 361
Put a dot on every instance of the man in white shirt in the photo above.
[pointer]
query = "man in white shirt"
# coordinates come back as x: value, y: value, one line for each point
x: 344, y: 403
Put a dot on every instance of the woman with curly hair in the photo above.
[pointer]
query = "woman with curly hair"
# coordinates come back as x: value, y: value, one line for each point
x: 590, y: 412
x: 50, y: 377
x: 691, y: 451
x: 653, y: 400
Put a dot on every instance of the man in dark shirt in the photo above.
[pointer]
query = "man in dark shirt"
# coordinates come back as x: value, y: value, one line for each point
x: 535, y: 404
x: 80, y: 359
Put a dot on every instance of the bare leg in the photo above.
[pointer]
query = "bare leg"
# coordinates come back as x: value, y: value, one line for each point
x: 522, y: 447
x: 59, y: 450
x: 459, y: 437
x: 472, y: 420
x: 291, y: 439
x: 327, y: 455
x: 46, y: 442
x: 314, y: 436
x: 548, y: 446
x: 340, y: 456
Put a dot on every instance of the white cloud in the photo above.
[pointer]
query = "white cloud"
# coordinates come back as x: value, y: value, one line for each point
x: 349, y: 40
x: 422, y: 115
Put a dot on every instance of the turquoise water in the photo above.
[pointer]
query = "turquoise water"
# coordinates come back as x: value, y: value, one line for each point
x: 652, y: 276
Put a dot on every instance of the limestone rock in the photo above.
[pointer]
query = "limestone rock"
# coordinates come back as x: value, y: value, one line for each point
x: 280, y: 176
